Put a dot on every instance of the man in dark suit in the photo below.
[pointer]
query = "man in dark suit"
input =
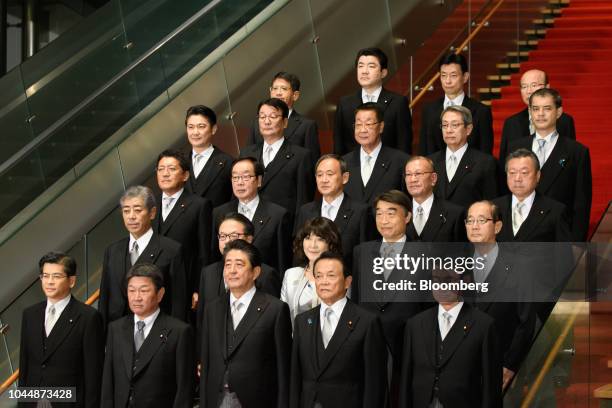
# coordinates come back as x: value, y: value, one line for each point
x: 149, y: 355
x: 453, y: 75
x: 434, y: 220
x: 288, y: 177
x: 519, y: 125
x: 371, y: 67
x: 232, y: 226
x: 375, y: 167
x: 210, y: 169
x: 565, y: 165
x: 504, y: 302
x: 451, y: 356
x: 353, y: 219
x: 529, y: 216
x: 184, y: 217
x: 62, y: 339
x: 246, y: 339
x: 339, y: 352
x: 271, y: 221
x: 143, y: 245
x: 465, y: 173
x: 301, y: 131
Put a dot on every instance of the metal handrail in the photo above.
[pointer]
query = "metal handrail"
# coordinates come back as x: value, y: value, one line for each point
x: 9, y: 381
x: 479, y: 26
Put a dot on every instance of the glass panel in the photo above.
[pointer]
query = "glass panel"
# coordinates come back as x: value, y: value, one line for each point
x: 77, y: 252
x: 14, y: 115
x: 19, y: 186
x: 6, y: 370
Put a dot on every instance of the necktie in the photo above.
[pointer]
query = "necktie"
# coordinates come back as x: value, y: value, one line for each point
x: 268, y: 156
x: 236, y: 315
x: 370, y: 97
x: 446, y: 325
x: 139, y: 336
x: 517, y: 217
x: 134, y: 254
x: 541, y: 153
x: 451, y: 167
x: 244, y: 210
x: 327, y: 331
x: 50, y: 322
x: 328, y: 211
x: 531, y: 127
x: 166, y: 208
x: 419, y: 220
x: 197, y: 161
x: 366, y: 170
x: 387, y: 250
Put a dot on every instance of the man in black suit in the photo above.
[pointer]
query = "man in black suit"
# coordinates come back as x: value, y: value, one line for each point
x: 353, y: 219
x: 301, y: 131
x: 519, y: 125
x: 434, y: 220
x: 453, y: 75
x: 529, y: 216
x: 232, y: 226
x: 271, y: 221
x: 375, y: 167
x: 149, y: 355
x: 62, y: 339
x: 565, y: 164
x: 371, y: 67
x: 339, y: 352
x: 288, y: 177
x: 451, y: 356
x: 143, y: 245
x: 184, y: 217
x: 504, y: 302
x: 465, y: 173
x: 210, y: 169
x: 246, y: 339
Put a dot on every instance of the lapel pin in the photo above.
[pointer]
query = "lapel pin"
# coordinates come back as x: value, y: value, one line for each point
x: 344, y: 216
x: 182, y: 205
x: 309, y: 321
x: 152, y: 255
x: 220, y: 163
x: 259, y: 309
x: 383, y: 164
x: 562, y: 162
x: 386, y: 101
x: 350, y: 324
x: 261, y: 221
x: 288, y: 156
x: 70, y: 320
x: 541, y: 211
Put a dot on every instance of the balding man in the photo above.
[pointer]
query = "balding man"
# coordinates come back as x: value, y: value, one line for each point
x: 519, y: 125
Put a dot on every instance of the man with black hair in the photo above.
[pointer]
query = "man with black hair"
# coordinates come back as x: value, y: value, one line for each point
x: 62, y: 339
x: 210, y: 166
x: 301, y: 130
x: 371, y: 66
x: 453, y: 76
x: 149, y: 355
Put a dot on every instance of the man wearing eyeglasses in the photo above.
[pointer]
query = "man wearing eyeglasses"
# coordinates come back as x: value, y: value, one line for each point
x: 288, y: 178
x: 232, y: 226
x: 433, y: 219
x: 375, y: 167
x: 520, y: 124
x: 184, y: 217
x: 514, y: 318
x: 272, y: 223
x: 465, y: 174
x: 62, y: 339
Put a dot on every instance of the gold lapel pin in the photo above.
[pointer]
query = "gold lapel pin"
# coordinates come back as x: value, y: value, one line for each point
x: 288, y: 156
x: 151, y: 255
x: 541, y: 211
x: 345, y: 217
x: 70, y: 320
x: 259, y: 309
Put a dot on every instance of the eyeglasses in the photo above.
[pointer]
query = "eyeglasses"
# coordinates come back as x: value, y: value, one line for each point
x: 479, y: 221
x: 233, y: 236
x: 366, y: 126
x: 417, y: 174
x: 271, y: 117
x: 52, y: 276
x: 454, y: 125
x: 243, y: 177
x: 533, y: 85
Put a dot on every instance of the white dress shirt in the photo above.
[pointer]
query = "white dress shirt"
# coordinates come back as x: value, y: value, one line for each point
x: 456, y: 102
x: 245, y: 300
x: 458, y: 153
x: 454, y: 312
x: 205, y: 157
x: 167, y: 211
x: 298, y: 292
x: 143, y: 241
x: 275, y: 148
x: 335, y: 206
x: 60, y: 305
x: 551, y: 141
x: 337, y: 307
x: 528, y: 201
x: 149, y: 320
x: 251, y: 205
x: 375, y: 95
x: 426, y: 205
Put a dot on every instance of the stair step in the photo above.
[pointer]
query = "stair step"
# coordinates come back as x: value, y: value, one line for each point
x: 506, y: 65
x: 544, y: 21
x: 489, y: 90
x: 528, y: 43
x: 499, y: 77
x: 559, y: 2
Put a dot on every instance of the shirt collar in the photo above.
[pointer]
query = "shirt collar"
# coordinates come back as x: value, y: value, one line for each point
x: 337, y: 307
x: 458, y: 154
x: 374, y: 153
x: 490, y: 256
x: 143, y: 241
x: 375, y: 94
x: 549, y: 137
x: 149, y: 320
x: 402, y: 239
x: 336, y: 202
x: 275, y: 146
x: 175, y: 195
x: 251, y: 205
x: 454, y: 311
x: 60, y: 304
x: 528, y: 201
x: 426, y: 205
x: 245, y: 299
x: 205, y: 153
x: 457, y: 101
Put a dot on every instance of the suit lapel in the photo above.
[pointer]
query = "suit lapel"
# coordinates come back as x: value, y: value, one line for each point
x: 158, y: 336
x: 256, y: 309
x: 385, y: 98
x: 38, y: 323
x: 293, y: 123
x: 457, y: 333
x: 523, y: 119
x: 260, y: 218
x: 344, y: 214
x: 283, y: 156
x: 346, y: 324
x: 62, y: 328
x: 218, y: 281
x: 435, y: 221
x: 559, y: 158
x: 179, y: 208
x: 430, y: 332
x: 535, y: 217
x: 465, y: 167
x: 440, y: 167
x: 382, y: 165
x: 151, y: 252
x: 208, y: 174
x: 126, y: 338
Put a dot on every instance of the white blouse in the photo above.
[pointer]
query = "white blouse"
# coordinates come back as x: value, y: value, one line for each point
x: 298, y: 292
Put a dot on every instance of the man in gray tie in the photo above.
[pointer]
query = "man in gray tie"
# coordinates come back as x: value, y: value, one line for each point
x: 149, y: 355
x: 465, y: 174
x: 339, y: 352
x: 62, y: 339
x: 246, y: 339
x: 434, y: 219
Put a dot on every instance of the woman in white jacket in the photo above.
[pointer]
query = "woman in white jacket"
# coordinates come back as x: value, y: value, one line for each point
x: 315, y: 237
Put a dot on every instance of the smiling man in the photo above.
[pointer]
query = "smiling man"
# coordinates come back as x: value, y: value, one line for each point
x: 138, y: 209
x: 62, y: 339
x: 371, y: 66
x: 246, y: 339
